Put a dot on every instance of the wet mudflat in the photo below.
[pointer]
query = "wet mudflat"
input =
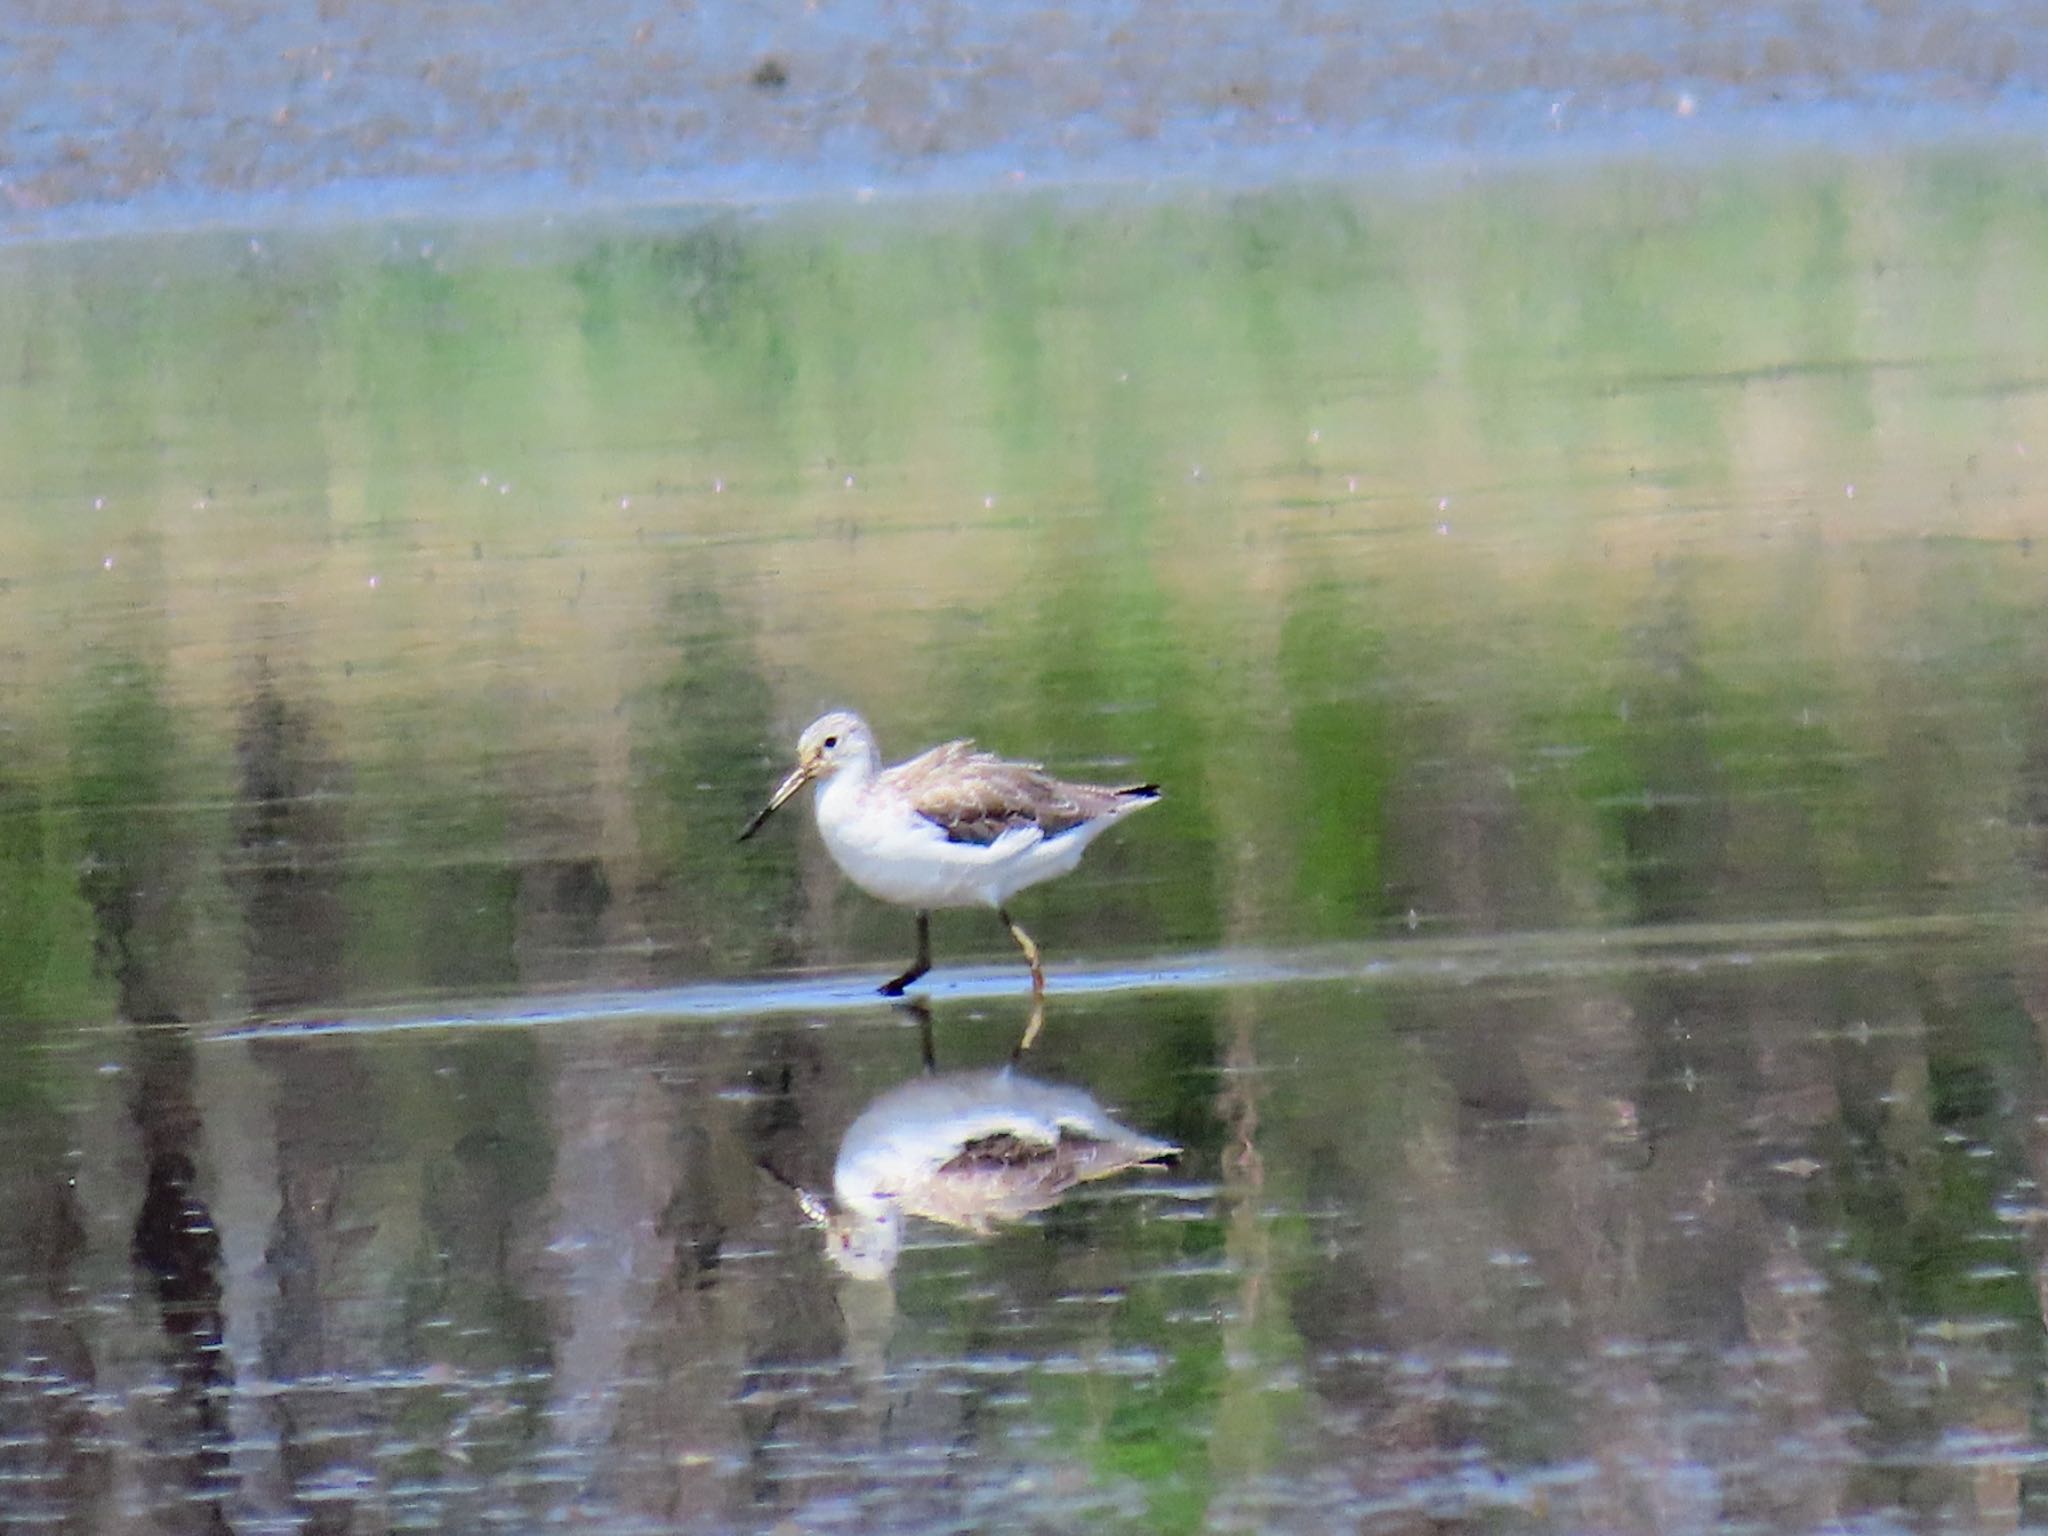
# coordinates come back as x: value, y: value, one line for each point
x: 1589, y: 959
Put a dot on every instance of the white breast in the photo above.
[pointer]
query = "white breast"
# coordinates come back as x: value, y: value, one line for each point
x: 892, y: 852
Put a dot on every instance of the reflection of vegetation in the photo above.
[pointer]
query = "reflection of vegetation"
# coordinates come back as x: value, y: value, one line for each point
x: 735, y: 908
x: 1219, y: 438
x: 438, y: 904
x: 1340, y: 724
x: 1655, y: 667
x: 46, y: 971
x: 1925, y: 1216
x: 287, y: 832
x: 136, y: 877
x: 486, y: 1172
x: 1160, y: 484
x: 47, y: 975
x: 1155, y: 1428
x: 1158, y: 1436
x: 1669, y: 823
x: 449, y: 929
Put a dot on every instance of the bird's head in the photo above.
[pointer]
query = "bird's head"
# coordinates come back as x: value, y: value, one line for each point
x: 828, y: 744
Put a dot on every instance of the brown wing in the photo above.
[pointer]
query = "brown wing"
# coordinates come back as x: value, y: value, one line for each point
x: 1074, y: 1157
x: 975, y: 797
x: 1000, y: 1149
x: 1005, y: 1176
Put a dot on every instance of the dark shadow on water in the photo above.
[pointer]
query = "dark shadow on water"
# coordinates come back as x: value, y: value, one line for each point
x: 289, y: 838
x: 177, y: 1246
x: 136, y: 880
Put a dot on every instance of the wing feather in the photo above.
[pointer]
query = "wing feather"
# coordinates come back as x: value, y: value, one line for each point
x: 975, y: 797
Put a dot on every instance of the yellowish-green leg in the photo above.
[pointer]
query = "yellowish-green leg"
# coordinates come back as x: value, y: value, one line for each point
x: 1030, y: 951
x: 1031, y: 1029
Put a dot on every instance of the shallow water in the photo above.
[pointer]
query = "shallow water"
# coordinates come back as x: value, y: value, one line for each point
x: 1587, y: 623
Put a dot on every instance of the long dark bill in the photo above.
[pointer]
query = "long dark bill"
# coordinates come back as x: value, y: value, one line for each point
x: 798, y: 778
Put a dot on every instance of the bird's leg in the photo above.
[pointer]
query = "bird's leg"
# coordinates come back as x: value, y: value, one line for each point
x: 1030, y: 951
x: 1030, y: 1030
x: 920, y: 965
x: 927, y: 1047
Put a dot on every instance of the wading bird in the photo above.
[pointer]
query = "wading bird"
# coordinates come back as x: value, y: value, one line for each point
x: 953, y: 827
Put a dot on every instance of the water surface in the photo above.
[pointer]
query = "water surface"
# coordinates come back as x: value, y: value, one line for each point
x: 1589, y: 627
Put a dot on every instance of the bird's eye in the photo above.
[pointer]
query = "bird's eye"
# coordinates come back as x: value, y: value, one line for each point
x: 831, y: 742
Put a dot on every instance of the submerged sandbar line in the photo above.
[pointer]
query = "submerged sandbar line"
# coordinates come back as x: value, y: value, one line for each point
x: 1463, y: 960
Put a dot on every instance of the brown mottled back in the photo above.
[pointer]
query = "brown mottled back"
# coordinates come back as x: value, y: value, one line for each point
x: 1007, y: 1175
x: 975, y: 797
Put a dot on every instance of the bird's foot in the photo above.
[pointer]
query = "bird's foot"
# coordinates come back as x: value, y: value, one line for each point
x: 895, y: 987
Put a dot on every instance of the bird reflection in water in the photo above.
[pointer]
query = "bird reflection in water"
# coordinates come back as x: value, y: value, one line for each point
x: 969, y: 1150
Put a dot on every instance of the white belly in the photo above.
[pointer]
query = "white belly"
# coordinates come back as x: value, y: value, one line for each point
x: 900, y: 857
